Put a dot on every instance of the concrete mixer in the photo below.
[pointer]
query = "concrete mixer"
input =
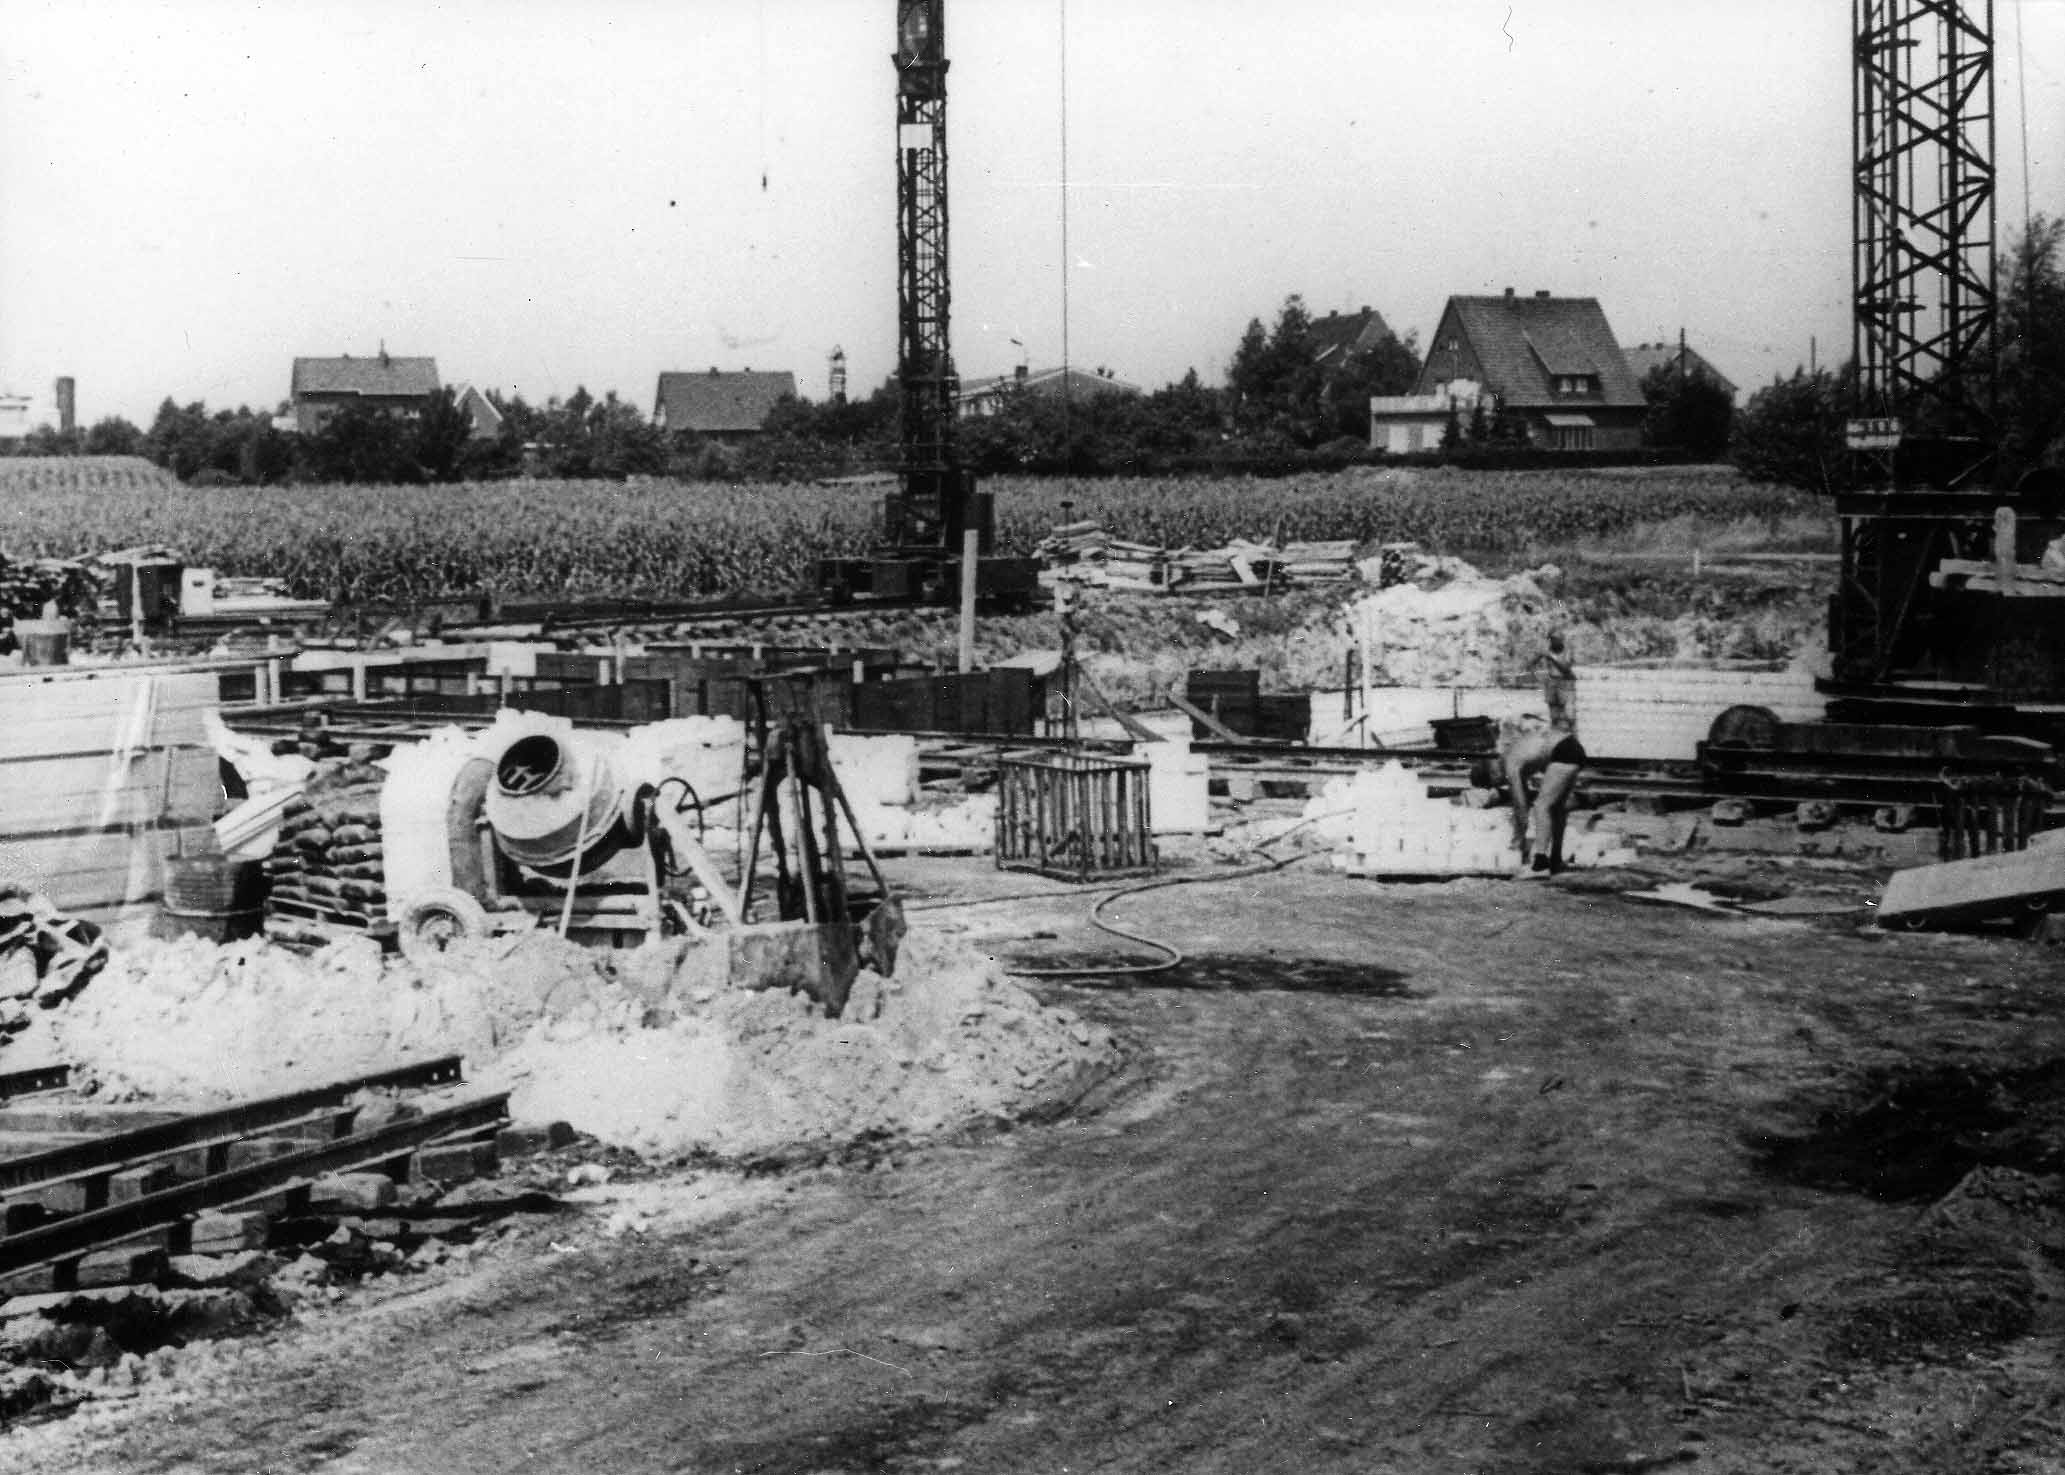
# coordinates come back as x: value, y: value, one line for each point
x: 534, y: 824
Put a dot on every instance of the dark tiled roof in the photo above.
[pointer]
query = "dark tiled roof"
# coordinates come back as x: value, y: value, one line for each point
x: 1523, y: 343
x: 1339, y: 335
x: 718, y: 401
x: 1644, y: 358
x: 381, y: 374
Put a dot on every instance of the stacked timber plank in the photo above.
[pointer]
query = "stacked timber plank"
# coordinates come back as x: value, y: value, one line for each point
x: 1084, y: 553
x: 104, y: 772
x: 2045, y: 580
x: 1666, y: 712
x: 328, y: 870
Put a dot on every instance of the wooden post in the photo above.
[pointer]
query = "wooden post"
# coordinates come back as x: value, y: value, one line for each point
x: 2004, y: 548
x: 969, y: 564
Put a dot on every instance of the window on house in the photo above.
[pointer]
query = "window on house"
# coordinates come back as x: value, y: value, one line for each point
x: 1571, y: 437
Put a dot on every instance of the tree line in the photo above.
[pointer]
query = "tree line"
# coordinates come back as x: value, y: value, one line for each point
x: 1280, y: 408
x: 1793, y: 429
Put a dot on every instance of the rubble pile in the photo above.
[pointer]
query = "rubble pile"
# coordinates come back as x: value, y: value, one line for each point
x: 45, y: 957
x: 648, y: 1050
x: 1447, y: 624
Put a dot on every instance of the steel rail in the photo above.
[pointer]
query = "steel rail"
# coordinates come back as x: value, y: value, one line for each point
x: 78, y: 1234
x: 33, y: 1078
x: 206, y: 1128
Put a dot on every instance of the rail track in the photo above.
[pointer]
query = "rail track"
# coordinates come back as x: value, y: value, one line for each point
x: 144, y: 1188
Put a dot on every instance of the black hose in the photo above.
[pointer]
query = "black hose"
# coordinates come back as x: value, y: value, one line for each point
x: 1175, y: 955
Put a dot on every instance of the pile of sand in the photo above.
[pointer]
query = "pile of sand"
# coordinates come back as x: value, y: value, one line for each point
x: 648, y: 1050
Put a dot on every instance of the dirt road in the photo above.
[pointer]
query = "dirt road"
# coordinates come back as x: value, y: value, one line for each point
x: 1488, y: 1176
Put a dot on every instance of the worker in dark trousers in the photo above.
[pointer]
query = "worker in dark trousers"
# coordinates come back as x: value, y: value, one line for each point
x: 1551, y: 758
x: 1559, y: 683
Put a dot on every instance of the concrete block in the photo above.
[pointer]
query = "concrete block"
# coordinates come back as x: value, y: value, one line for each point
x: 226, y: 1233
x: 381, y: 1112
x: 55, y: 1199
x: 201, y: 1272
x: 1178, y: 787
x: 876, y: 769
x: 193, y: 1162
x: 124, y: 1266
x: 2020, y: 881
x: 28, y: 1285
x: 458, y: 1163
x: 1731, y: 812
x: 526, y: 1139
x: 261, y: 1150
x: 134, y: 1183
x: 351, y: 1193
x: 1815, y: 814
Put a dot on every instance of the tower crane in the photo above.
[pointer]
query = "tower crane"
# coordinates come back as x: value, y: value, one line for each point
x: 928, y: 520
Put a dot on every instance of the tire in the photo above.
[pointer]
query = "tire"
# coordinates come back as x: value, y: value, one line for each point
x: 436, y: 919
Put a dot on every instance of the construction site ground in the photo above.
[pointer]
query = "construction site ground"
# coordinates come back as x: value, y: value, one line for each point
x: 1486, y: 1175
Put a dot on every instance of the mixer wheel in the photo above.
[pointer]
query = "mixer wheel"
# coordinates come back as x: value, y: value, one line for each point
x: 438, y: 918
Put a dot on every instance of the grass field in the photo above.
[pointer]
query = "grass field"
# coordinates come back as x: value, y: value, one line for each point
x: 666, y: 539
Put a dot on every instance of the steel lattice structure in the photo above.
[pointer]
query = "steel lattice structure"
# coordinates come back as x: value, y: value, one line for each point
x: 1923, y: 211
x: 933, y: 506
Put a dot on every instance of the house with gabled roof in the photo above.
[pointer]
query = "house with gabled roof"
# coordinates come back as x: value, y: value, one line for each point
x: 479, y: 410
x: 987, y: 396
x: 1339, y: 336
x: 1551, y: 363
x: 723, y: 404
x: 1645, y: 359
x: 323, y: 386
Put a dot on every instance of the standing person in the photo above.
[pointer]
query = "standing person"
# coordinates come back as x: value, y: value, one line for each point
x: 1559, y: 683
x: 1553, y: 757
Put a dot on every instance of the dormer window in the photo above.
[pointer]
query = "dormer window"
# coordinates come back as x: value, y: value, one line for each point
x: 1577, y: 384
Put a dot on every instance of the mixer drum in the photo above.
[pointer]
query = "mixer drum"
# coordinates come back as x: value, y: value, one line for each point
x: 555, y: 805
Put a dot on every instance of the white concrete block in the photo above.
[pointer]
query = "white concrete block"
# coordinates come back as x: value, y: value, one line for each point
x: 1179, y: 795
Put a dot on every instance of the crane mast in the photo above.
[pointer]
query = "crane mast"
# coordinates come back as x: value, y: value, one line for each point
x: 934, y: 503
x: 927, y: 519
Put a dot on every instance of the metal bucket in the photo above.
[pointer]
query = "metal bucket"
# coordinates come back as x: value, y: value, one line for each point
x: 44, y: 642
x: 213, y: 896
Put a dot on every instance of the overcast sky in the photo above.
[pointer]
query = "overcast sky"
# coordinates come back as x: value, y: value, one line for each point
x: 543, y: 194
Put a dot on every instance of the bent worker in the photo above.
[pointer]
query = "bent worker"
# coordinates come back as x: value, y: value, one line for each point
x: 1552, y: 757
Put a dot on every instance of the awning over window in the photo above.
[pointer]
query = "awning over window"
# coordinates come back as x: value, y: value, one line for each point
x: 1569, y: 422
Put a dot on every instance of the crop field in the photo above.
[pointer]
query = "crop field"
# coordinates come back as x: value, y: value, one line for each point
x: 669, y: 539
